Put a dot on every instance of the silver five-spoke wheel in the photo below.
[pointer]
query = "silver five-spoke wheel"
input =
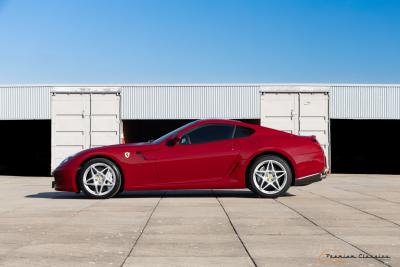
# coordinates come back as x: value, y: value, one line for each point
x: 100, y: 178
x: 270, y: 176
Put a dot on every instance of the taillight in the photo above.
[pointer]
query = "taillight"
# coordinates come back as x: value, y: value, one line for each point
x: 313, y: 138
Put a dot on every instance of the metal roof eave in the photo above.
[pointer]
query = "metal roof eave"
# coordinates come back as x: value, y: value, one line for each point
x: 204, y: 84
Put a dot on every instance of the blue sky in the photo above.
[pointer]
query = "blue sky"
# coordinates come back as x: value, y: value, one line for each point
x: 199, y: 41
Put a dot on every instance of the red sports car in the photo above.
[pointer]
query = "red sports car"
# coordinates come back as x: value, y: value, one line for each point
x: 203, y: 154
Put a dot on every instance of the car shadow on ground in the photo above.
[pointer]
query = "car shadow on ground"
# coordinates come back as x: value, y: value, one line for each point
x: 157, y: 194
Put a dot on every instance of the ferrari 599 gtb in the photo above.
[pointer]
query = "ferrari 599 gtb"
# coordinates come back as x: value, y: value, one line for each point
x: 204, y: 154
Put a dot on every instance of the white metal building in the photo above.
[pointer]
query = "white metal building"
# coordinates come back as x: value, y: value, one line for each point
x: 42, y: 124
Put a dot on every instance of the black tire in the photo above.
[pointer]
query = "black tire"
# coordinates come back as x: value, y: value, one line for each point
x: 281, y: 162
x: 121, y: 190
x: 102, y: 161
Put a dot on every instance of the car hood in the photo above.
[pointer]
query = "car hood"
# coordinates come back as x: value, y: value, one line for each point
x: 129, y: 147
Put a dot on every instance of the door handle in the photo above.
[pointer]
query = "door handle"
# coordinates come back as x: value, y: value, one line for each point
x: 292, y: 114
x: 235, y: 146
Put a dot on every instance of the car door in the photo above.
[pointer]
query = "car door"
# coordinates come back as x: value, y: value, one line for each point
x: 204, y: 154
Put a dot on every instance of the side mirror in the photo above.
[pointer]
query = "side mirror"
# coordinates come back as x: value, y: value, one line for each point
x: 173, y: 141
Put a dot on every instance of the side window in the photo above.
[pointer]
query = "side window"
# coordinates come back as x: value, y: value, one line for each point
x: 209, y: 133
x: 243, y: 132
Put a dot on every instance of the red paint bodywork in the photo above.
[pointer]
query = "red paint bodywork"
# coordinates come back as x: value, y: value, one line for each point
x: 218, y: 165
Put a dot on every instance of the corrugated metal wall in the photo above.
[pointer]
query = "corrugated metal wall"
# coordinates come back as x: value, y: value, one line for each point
x: 365, y: 102
x: 25, y: 103
x: 208, y: 101
x: 190, y: 102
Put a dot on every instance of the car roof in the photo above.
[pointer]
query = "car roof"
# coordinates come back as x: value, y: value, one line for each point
x: 255, y: 127
x: 225, y: 121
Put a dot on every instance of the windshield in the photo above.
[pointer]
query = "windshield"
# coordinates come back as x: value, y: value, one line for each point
x: 170, y: 134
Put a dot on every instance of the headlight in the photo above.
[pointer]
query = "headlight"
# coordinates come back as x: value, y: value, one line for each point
x: 66, y: 160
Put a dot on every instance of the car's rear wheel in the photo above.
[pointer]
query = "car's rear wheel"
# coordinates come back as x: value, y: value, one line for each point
x: 270, y: 176
x: 99, y: 178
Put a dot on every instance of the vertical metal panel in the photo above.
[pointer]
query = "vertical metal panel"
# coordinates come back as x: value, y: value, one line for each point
x: 70, y: 125
x: 280, y: 111
x: 25, y: 103
x: 104, y: 119
x: 365, y: 102
x: 190, y: 102
x: 314, y: 118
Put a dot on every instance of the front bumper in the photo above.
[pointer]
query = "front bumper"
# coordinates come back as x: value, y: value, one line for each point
x: 306, y: 180
x: 64, y: 179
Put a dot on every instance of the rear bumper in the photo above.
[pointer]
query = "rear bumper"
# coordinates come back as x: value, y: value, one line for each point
x: 306, y: 180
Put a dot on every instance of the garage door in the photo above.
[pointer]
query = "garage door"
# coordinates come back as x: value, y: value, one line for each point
x: 81, y: 121
x: 298, y: 113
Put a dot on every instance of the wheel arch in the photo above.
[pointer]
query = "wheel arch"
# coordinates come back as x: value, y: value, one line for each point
x: 273, y: 153
x: 100, y: 157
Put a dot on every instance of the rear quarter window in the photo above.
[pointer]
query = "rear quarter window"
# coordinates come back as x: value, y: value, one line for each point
x: 241, y: 131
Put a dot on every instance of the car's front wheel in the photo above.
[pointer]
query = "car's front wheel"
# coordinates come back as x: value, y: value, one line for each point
x: 270, y: 176
x: 99, y: 178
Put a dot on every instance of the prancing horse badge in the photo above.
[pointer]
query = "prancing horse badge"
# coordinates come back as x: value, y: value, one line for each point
x: 127, y: 154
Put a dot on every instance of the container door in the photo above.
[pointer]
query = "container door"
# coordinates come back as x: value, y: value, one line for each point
x: 70, y: 114
x: 314, y: 118
x: 298, y: 113
x: 105, y: 121
x: 280, y: 111
x: 82, y: 121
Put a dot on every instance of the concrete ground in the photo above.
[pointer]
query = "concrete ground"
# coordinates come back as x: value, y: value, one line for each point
x: 345, y: 215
